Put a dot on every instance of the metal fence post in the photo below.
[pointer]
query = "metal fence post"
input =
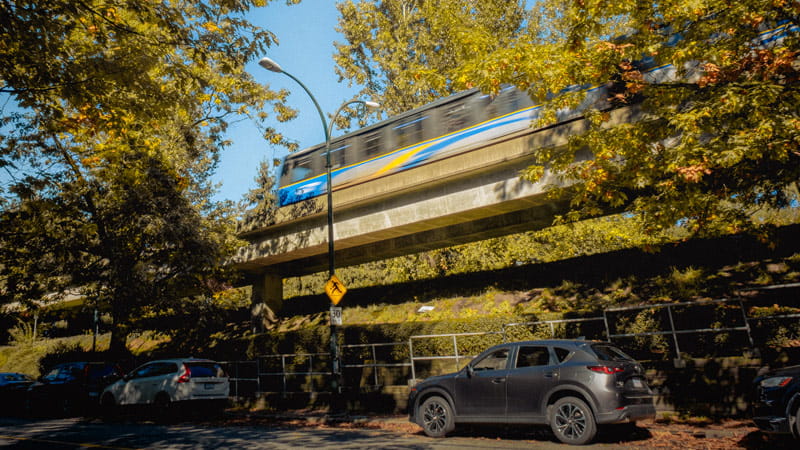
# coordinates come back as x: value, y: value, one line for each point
x: 608, y: 330
x: 455, y: 348
x: 411, y: 359
x: 236, y: 385
x: 746, y: 324
x: 283, y: 373
x: 374, y: 368
x: 679, y: 362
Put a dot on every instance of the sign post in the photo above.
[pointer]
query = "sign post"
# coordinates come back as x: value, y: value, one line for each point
x: 335, y: 290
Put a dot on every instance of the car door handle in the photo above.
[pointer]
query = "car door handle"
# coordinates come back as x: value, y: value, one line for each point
x: 550, y: 374
x: 499, y: 380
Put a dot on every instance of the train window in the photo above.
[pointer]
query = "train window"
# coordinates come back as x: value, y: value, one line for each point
x: 509, y: 100
x: 301, y: 168
x: 409, y: 132
x: 455, y: 117
x: 338, y: 152
x: 372, y: 144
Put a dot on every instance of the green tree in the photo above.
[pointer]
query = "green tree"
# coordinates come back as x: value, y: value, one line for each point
x: 405, y: 52
x: 113, y: 118
x: 260, y: 203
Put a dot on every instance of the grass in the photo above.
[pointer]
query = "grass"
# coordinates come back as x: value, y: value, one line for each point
x: 25, y: 357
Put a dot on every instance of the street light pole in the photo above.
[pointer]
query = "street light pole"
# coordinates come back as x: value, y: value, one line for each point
x: 272, y: 66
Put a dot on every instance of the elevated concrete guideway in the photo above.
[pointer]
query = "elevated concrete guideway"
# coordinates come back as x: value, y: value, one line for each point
x: 474, y: 195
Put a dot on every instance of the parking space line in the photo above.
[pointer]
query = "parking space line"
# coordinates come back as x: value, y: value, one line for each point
x: 79, y: 444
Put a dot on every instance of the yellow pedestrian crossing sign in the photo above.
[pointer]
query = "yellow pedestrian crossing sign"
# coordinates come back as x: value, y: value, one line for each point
x: 335, y: 289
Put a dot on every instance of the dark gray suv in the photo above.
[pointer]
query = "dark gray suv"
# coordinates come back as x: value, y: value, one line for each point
x: 573, y: 385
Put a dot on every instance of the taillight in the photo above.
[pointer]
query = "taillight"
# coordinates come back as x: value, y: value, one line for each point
x: 186, y: 376
x: 776, y: 381
x: 605, y: 369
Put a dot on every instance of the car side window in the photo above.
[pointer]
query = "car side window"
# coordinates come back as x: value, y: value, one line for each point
x: 144, y: 371
x: 530, y: 356
x: 165, y: 369
x: 68, y: 372
x: 562, y: 354
x: 496, y: 360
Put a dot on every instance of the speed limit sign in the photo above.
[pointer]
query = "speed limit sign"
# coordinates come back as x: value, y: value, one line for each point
x: 336, y: 315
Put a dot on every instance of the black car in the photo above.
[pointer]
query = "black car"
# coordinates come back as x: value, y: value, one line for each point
x: 572, y: 385
x: 71, y: 388
x: 776, y: 405
x: 13, y: 387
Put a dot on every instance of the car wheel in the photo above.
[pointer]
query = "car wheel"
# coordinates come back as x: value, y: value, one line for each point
x: 796, y: 433
x: 572, y: 421
x: 437, y: 417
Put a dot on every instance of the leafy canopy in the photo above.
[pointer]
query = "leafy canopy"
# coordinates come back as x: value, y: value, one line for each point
x: 405, y: 52
x: 113, y: 118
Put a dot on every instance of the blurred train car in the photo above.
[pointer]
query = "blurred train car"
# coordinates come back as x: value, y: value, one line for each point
x: 429, y: 133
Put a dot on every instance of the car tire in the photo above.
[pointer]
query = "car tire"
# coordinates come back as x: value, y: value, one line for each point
x: 796, y: 431
x: 572, y: 421
x: 436, y: 417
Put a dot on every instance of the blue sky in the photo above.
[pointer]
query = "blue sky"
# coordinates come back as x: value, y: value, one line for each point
x: 306, y: 33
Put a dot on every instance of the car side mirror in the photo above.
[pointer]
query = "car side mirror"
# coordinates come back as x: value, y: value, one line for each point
x: 470, y: 371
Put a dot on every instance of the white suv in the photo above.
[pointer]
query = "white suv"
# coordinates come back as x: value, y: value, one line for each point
x: 168, y: 382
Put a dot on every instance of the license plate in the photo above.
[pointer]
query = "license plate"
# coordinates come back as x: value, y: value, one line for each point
x: 209, y: 386
x: 637, y: 383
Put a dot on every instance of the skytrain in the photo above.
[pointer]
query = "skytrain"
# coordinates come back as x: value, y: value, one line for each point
x: 438, y: 130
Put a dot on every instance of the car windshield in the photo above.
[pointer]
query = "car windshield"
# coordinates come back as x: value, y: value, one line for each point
x: 606, y: 352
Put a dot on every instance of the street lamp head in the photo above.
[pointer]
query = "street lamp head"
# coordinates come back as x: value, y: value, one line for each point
x: 270, y: 65
x: 372, y: 105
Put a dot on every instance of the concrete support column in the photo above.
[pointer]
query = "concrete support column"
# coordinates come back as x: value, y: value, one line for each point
x: 266, y: 299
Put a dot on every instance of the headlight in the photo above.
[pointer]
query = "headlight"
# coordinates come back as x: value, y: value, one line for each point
x: 775, y: 382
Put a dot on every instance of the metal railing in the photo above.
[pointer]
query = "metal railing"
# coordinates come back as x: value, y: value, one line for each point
x: 236, y: 378
x: 455, y: 356
x: 373, y: 363
x: 288, y: 371
x: 673, y: 331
